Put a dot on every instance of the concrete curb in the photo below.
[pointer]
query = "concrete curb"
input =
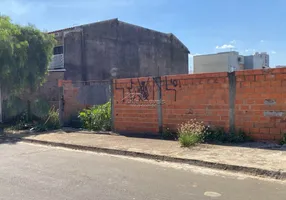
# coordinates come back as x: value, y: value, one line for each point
x: 234, y: 168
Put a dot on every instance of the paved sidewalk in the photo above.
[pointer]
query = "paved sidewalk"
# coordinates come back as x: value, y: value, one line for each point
x: 254, y: 160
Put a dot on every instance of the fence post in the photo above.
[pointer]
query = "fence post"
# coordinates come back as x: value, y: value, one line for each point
x: 232, y: 93
x: 112, y: 103
x: 159, y: 104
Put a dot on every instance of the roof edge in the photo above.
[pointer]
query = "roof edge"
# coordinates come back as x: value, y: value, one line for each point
x: 88, y: 24
x: 179, y: 41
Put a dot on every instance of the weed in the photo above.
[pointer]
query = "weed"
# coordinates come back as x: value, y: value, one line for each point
x: 97, y: 118
x: 52, y: 121
x: 189, y: 140
x: 218, y: 135
x: 191, y: 132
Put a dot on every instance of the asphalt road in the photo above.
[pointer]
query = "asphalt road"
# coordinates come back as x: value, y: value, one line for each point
x: 30, y: 172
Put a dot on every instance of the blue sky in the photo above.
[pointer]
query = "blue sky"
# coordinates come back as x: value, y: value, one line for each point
x: 204, y: 26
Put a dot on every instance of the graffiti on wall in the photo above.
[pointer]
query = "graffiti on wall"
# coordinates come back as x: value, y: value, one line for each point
x: 137, y: 90
x: 143, y: 89
x: 172, y: 85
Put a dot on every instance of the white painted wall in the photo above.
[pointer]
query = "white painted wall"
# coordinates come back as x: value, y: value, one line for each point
x: 257, y: 62
x: 220, y: 62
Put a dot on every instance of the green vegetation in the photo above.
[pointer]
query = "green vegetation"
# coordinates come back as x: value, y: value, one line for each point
x: 167, y: 134
x: 194, y: 132
x: 49, y: 122
x: 97, y: 118
x: 25, y: 54
x: 218, y: 135
x: 191, y: 133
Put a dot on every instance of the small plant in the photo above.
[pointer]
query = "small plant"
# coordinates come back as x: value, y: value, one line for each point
x: 283, y: 141
x: 218, y: 135
x: 97, y: 118
x: 167, y: 134
x: 191, y: 133
x: 52, y: 121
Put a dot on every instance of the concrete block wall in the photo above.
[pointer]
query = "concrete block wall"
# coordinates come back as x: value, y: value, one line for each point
x: 49, y: 92
x: 79, y: 95
x: 252, y: 101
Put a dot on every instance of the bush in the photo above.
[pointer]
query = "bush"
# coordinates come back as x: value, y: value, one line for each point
x: 189, y: 140
x: 218, y: 135
x: 191, y: 133
x: 97, y: 118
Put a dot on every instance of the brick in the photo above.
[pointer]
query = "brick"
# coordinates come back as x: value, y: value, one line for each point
x: 250, y: 78
x: 260, y: 77
x: 275, y: 131
x: 270, y: 77
x: 264, y: 130
x: 240, y: 78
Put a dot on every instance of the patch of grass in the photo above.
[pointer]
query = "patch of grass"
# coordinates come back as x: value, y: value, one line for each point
x: 191, y: 133
x: 189, y: 140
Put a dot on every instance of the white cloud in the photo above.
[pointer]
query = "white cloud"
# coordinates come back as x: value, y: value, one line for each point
x: 273, y: 52
x: 225, y: 46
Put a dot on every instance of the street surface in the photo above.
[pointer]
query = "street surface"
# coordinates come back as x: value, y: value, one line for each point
x: 30, y: 172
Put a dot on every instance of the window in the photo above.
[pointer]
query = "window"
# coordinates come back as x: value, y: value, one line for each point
x: 58, y: 50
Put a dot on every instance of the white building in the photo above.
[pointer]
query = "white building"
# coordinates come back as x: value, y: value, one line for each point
x: 256, y: 61
x: 219, y: 62
x: 229, y: 61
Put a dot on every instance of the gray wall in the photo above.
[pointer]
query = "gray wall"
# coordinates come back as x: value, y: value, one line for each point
x: 94, y: 49
x: 248, y: 62
x: 220, y: 62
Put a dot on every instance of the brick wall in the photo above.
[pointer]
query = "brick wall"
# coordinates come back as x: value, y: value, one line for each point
x: 260, y: 103
x: 251, y: 100
x: 135, y: 118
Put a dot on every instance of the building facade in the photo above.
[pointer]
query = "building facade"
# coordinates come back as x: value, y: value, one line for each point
x: 220, y: 62
x: 93, y: 51
x: 257, y: 61
x: 229, y: 61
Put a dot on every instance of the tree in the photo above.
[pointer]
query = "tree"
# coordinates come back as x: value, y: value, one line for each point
x: 25, y: 53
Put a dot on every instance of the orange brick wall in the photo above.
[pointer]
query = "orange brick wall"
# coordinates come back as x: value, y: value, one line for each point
x: 129, y: 117
x: 260, y: 103
x: 201, y: 96
x: 257, y: 96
